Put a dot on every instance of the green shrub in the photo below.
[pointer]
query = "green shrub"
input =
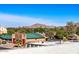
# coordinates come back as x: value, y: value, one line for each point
x: 0, y: 43
x: 4, y: 42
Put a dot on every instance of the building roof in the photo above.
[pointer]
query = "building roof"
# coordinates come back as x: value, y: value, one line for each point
x: 28, y: 36
x: 34, y: 36
x: 6, y: 36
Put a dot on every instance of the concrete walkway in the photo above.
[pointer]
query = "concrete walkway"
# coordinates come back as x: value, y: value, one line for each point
x: 65, y: 48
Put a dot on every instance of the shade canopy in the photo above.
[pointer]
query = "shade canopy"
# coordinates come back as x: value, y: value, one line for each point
x: 28, y: 36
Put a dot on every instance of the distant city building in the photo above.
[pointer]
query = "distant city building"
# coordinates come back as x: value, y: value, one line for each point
x: 3, y: 30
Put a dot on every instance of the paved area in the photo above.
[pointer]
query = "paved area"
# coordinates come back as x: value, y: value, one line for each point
x: 65, y: 48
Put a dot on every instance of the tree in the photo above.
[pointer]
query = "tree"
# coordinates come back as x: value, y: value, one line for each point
x: 60, y: 33
x: 71, y: 27
x: 41, y: 30
x: 21, y: 30
x: 50, y: 34
x: 77, y: 31
x: 11, y: 31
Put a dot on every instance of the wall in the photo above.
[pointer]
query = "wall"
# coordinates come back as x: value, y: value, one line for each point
x: 36, y: 40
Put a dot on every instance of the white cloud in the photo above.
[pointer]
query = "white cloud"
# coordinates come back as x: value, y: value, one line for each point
x: 15, y: 20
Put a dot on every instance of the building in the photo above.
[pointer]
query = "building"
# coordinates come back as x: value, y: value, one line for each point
x: 22, y: 38
x: 73, y: 37
x: 3, y: 30
x: 27, y: 38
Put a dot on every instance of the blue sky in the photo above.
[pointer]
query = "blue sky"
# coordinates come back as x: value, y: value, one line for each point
x: 13, y: 15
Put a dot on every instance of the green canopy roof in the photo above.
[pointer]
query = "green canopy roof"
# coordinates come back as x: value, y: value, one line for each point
x: 28, y: 36
x: 34, y: 36
x: 6, y: 36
